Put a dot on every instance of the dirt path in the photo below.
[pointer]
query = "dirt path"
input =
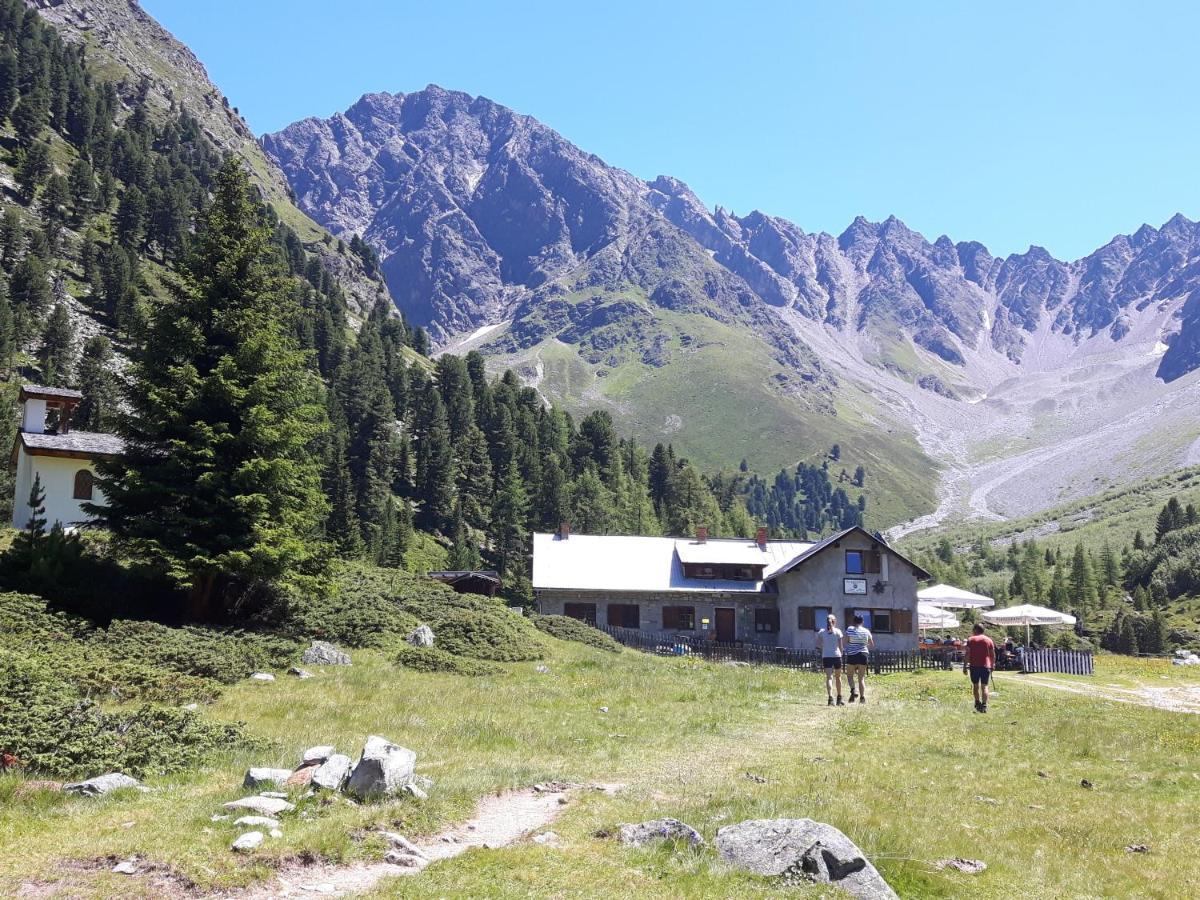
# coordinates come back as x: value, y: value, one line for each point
x: 1181, y: 698
x: 499, y: 820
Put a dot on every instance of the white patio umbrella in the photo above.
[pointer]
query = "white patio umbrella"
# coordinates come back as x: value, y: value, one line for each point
x: 1026, y: 614
x: 950, y: 597
x: 930, y: 616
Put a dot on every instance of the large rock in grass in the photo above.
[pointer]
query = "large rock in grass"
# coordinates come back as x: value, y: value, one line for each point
x: 656, y: 830
x: 101, y: 784
x: 421, y: 636
x: 322, y: 653
x: 382, y: 771
x: 262, y: 777
x: 802, y: 850
x: 332, y: 773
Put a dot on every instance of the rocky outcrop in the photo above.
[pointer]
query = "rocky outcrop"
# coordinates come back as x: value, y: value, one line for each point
x: 102, y: 784
x: 323, y: 653
x: 383, y: 770
x: 801, y: 850
x: 657, y: 830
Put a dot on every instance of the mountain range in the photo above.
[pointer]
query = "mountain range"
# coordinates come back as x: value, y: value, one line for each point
x: 1025, y: 379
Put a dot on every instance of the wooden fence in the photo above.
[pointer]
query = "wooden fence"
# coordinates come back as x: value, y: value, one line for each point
x: 881, y: 661
x: 1069, y: 662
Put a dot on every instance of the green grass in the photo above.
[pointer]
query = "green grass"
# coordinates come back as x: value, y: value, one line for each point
x: 900, y: 776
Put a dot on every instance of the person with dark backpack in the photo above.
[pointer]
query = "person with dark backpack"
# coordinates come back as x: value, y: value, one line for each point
x: 979, y: 661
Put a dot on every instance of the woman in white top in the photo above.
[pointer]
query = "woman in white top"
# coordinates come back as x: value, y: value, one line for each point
x: 829, y: 639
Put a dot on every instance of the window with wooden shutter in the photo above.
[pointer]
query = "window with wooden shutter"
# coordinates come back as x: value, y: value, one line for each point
x: 583, y: 611
x: 871, y: 562
x: 902, y: 621
x: 766, y: 620
x: 679, y: 618
x: 806, y: 619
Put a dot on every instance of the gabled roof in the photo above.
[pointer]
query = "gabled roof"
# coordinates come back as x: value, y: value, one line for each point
x: 592, y: 562
x: 816, y: 548
x: 73, y: 443
x: 45, y: 392
x: 459, y: 575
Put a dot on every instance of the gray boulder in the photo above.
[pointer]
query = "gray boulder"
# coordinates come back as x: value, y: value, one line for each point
x: 383, y: 769
x: 332, y: 773
x: 251, y: 840
x: 403, y: 844
x: 802, y: 850
x: 656, y: 830
x: 262, y: 777
x: 262, y: 676
x: 300, y: 673
x: 256, y: 822
x: 421, y: 636
x: 101, y: 784
x: 322, y: 653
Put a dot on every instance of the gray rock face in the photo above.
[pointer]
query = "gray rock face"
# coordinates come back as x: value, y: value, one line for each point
x: 332, y: 773
x: 802, y: 850
x: 382, y: 771
x: 317, y: 754
x: 656, y: 830
x: 322, y: 653
x: 260, y: 778
x: 101, y: 784
x: 421, y: 636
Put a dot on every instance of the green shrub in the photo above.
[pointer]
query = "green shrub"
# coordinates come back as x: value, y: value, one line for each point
x: 496, y: 635
x: 435, y: 659
x: 51, y: 729
x: 222, y: 655
x: 359, y: 611
x: 567, y: 629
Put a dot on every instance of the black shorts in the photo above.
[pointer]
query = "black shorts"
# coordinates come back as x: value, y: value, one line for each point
x: 856, y: 659
x: 980, y: 674
x: 831, y: 662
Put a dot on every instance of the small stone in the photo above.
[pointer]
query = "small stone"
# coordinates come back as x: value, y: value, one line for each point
x: 548, y: 837
x: 251, y: 840
x: 301, y: 777
x: 968, y: 866
x: 276, y: 833
x: 656, y: 830
x: 275, y: 795
x: 317, y: 755
x: 757, y: 779
x: 322, y: 653
x: 191, y: 707
x: 421, y: 636
x: 262, y: 676
x: 101, y: 784
x: 414, y: 791
x: 267, y: 806
x: 422, y: 781
x: 300, y: 673
x: 562, y: 801
x: 261, y: 777
x: 255, y: 822
x: 1042, y: 775
x: 219, y: 818
x: 1137, y: 848
x: 1084, y: 783
x: 401, y: 843
x: 126, y: 867
x: 604, y: 709
x: 989, y: 800
x: 397, y: 858
x: 542, y: 669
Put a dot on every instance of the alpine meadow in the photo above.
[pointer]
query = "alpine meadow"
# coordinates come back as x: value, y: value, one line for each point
x: 408, y: 502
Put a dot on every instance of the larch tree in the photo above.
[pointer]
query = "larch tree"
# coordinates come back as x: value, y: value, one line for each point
x: 218, y: 484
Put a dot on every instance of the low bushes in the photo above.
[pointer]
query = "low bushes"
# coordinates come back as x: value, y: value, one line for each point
x: 501, y: 636
x: 567, y: 629
x: 435, y: 659
x: 359, y: 611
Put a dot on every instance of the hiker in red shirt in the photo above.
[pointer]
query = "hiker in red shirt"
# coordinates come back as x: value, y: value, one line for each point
x: 979, y: 660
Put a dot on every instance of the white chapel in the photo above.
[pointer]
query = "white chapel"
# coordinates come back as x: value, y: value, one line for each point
x: 47, y: 446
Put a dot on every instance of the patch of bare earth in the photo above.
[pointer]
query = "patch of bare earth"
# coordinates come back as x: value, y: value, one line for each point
x: 499, y: 820
x: 1184, y: 699
x: 155, y: 879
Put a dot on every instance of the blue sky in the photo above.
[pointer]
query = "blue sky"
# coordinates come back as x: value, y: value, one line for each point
x: 1059, y: 124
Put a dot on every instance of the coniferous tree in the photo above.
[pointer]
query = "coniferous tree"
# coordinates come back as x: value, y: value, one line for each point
x: 97, y: 409
x: 218, y: 483
x: 34, y: 169
x: 509, y: 526
x: 1082, y: 585
x: 464, y: 553
x: 56, y: 355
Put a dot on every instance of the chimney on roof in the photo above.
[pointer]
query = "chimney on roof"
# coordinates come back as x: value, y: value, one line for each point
x: 701, y: 534
x: 761, y: 537
x: 564, y: 530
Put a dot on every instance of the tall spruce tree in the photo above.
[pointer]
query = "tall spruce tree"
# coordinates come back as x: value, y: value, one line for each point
x: 218, y: 484
x: 98, y: 385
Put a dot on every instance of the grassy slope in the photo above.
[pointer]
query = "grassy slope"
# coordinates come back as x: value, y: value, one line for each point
x: 1113, y: 517
x: 723, y: 391
x: 900, y: 776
